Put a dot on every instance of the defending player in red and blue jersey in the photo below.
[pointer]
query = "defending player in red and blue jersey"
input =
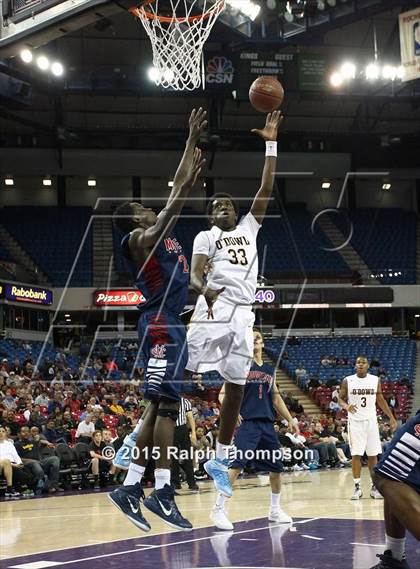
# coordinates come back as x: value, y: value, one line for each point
x: 160, y: 271
x: 260, y: 404
x: 397, y: 477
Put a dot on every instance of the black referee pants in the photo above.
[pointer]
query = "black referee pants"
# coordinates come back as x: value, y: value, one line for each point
x: 182, y: 442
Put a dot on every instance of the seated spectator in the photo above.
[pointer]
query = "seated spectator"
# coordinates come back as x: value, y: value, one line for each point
x: 98, y: 419
x: 130, y: 404
x: 9, y: 400
x: 116, y: 408
x: 215, y: 409
x: 392, y: 402
x: 9, y: 461
x: 326, y: 449
x: 29, y: 451
x: 52, y: 435
x: 100, y: 464
x: 334, y: 406
x: 199, y: 388
x: 85, y: 430
x: 42, y: 400
x: 54, y: 403
x: 205, y: 410
x: 313, y: 383
x: 57, y: 382
x: 8, y: 421
x: 325, y: 362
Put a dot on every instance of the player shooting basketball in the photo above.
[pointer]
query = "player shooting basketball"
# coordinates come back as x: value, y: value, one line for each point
x: 220, y: 333
x: 160, y: 272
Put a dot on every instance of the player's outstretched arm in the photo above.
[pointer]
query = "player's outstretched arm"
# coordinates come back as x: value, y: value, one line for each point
x: 269, y: 134
x: 381, y: 402
x: 141, y: 239
x: 197, y: 123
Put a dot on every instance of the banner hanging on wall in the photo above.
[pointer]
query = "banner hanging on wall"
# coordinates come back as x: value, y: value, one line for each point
x: 410, y: 44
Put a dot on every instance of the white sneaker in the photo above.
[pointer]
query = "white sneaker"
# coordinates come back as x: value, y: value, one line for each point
x: 219, y: 517
x: 374, y: 493
x: 278, y: 515
x: 297, y: 468
x: 357, y: 494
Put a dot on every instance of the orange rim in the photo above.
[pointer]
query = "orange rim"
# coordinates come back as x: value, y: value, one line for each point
x: 142, y: 13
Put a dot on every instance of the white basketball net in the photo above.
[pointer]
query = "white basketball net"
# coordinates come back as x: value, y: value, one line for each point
x: 177, y: 42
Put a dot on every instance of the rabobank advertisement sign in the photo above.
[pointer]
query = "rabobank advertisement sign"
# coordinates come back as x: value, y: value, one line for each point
x: 28, y: 294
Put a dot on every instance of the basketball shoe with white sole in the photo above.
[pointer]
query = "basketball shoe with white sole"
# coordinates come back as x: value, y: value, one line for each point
x: 127, y: 499
x: 357, y: 494
x: 162, y: 503
x: 276, y: 514
x: 220, y: 519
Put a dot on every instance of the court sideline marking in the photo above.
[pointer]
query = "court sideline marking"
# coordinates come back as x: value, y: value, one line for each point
x: 54, y: 563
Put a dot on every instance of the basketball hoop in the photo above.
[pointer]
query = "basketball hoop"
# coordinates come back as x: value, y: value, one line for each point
x: 178, y: 39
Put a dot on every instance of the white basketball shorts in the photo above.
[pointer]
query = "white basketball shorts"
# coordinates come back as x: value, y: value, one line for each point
x: 225, y: 344
x: 364, y: 437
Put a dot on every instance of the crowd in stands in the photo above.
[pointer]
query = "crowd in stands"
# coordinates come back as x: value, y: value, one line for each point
x: 55, y: 421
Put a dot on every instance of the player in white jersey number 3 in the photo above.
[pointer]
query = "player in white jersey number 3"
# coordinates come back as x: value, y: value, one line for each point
x: 220, y: 333
x: 359, y: 395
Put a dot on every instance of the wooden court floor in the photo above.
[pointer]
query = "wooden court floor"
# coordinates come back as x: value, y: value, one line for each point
x: 34, y: 525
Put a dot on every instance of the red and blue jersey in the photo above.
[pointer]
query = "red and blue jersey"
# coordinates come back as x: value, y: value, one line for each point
x: 163, y: 278
x: 401, y: 460
x: 257, y: 403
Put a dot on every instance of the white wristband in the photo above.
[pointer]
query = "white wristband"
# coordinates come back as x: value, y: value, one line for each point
x: 271, y: 148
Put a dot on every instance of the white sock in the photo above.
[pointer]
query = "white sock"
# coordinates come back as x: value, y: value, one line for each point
x: 356, y: 481
x: 134, y: 474
x: 138, y: 426
x: 222, y: 451
x: 162, y: 477
x: 397, y: 546
x: 220, y: 501
x: 275, y: 500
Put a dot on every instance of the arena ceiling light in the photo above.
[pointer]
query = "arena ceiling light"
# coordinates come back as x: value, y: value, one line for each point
x: 47, y: 182
x: 336, y: 79
x: 326, y: 185
x: 417, y: 316
x: 91, y: 182
x: 43, y: 62
x: 153, y: 74
x: 170, y: 184
x: 245, y: 7
x: 348, y: 70
x: 26, y: 55
x: 386, y: 186
x: 9, y: 181
x: 57, y: 69
x: 372, y: 71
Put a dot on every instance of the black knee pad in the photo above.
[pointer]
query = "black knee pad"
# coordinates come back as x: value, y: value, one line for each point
x: 171, y: 413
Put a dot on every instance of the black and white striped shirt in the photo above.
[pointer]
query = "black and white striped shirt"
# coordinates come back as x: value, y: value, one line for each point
x: 184, y: 407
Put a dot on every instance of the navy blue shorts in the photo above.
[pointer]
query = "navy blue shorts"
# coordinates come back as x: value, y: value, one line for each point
x: 164, y: 348
x: 401, y: 460
x: 252, y: 436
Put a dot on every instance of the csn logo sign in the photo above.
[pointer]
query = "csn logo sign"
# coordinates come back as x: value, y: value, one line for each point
x: 219, y: 71
x: 118, y: 298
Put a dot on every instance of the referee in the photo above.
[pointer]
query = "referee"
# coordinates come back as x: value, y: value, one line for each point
x: 183, y: 442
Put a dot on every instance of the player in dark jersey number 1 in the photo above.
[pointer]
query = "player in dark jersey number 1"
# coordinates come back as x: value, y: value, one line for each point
x: 160, y: 271
x: 397, y: 477
x: 260, y: 404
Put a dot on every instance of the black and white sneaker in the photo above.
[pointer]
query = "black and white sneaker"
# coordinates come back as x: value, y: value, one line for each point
x: 162, y: 503
x: 389, y: 562
x: 11, y: 494
x: 127, y: 499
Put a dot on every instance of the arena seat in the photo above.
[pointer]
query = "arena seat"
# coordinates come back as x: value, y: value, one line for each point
x: 51, y: 236
x: 392, y: 260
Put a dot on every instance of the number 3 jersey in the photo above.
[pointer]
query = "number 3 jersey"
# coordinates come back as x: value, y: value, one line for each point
x: 234, y: 259
x: 362, y: 393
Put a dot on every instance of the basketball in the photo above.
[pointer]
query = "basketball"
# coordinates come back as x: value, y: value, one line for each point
x: 266, y: 94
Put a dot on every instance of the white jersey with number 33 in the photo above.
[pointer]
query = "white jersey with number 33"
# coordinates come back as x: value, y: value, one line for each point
x: 234, y: 259
x: 362, y: 393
